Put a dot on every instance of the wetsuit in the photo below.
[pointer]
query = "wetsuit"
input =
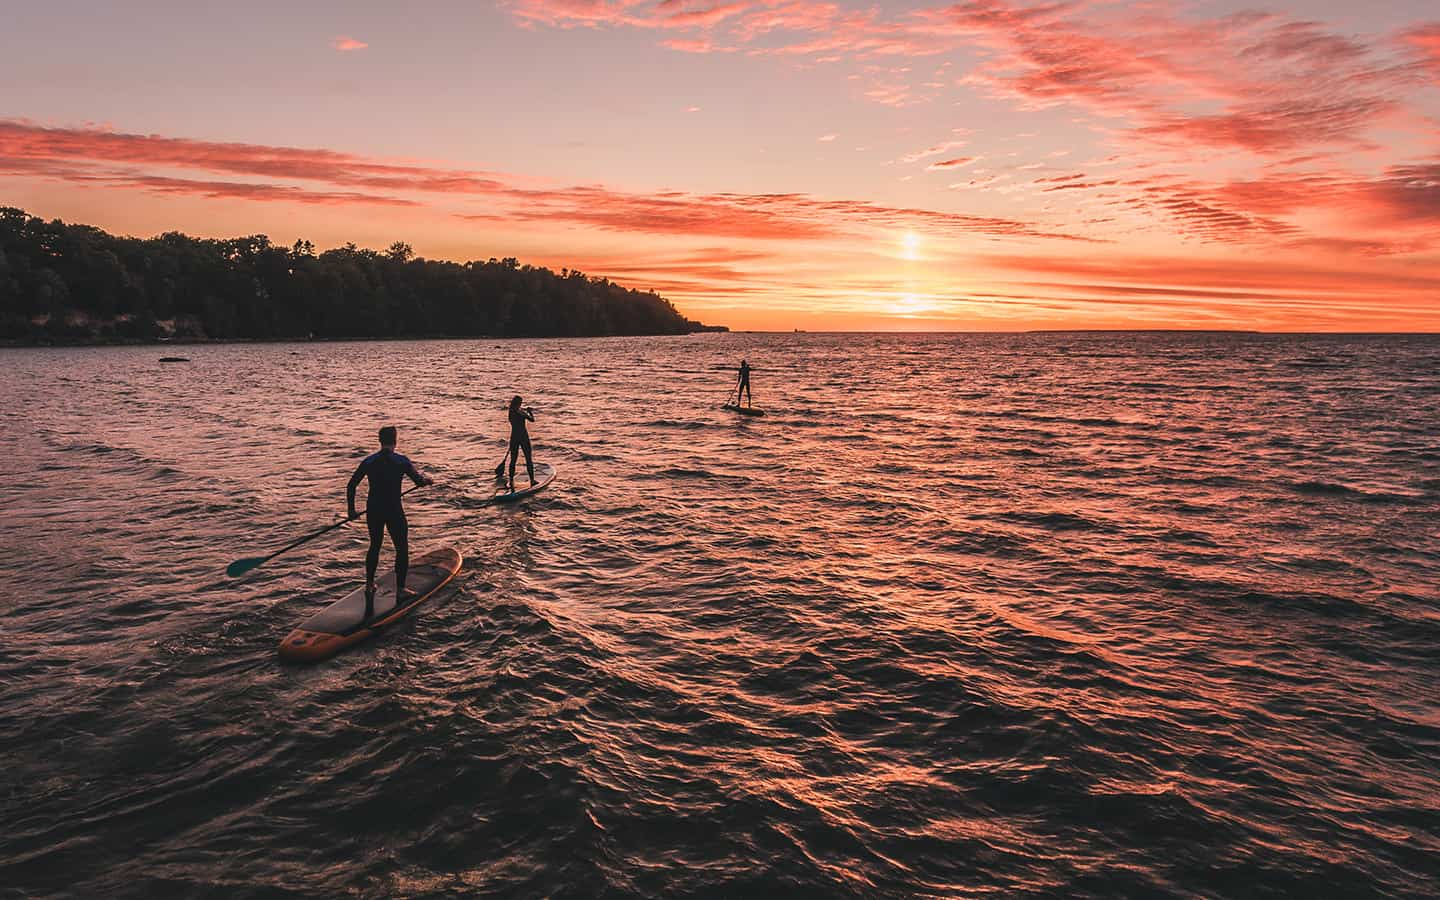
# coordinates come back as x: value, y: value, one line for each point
x: 386, y: 470
x: 520, y: 440
x: 744, y: 384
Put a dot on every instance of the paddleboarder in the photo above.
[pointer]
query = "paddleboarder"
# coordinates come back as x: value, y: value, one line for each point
x: 386, y: 471
x: 743, y: 384
x: 520, y: 438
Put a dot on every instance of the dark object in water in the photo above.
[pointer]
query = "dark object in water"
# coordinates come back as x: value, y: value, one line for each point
x: 174, y: 359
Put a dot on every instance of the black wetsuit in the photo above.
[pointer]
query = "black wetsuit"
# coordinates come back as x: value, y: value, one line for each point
x: 744, y: 383
x: 520, y: 440
x: 387, y: 471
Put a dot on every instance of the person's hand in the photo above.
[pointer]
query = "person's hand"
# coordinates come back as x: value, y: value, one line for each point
x: 352, y: 514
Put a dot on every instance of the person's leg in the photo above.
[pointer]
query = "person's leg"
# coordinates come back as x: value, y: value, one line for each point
x: 376, y: 525
x: 529, y: 463
x: 514, y: 455
x: 400, y: 537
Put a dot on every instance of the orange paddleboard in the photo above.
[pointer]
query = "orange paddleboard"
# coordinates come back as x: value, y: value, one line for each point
x: 342, y: 623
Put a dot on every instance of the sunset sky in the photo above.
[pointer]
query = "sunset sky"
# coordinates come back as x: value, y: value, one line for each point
x: 778, y: 164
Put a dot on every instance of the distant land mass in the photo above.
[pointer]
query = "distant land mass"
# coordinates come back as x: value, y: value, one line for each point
x: 76, y: 284
x: 1142, y: 331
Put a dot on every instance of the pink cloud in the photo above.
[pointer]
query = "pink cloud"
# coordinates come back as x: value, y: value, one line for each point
x: 346, y: 44
x: 933, y: 150
x: 1424, y: 42
x: 1257, y: 82
x: 117, y: 159
x: 1398, y: 209
x: 980, y: 183
x: 129, y: 178
x: 704, y: 17
x: 958, y: 162
x: 1317, y: 206
x: 749, y: 216
x: 22, y: 140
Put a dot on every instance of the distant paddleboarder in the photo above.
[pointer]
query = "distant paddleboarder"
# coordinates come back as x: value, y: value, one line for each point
x: 519, y: 439
x: 743, y: 384
x: 386, y: 471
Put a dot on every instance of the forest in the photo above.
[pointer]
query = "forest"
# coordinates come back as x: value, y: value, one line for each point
x: 65, y: 283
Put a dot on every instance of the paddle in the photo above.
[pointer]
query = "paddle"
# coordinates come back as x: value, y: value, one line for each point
x: 241, y: 566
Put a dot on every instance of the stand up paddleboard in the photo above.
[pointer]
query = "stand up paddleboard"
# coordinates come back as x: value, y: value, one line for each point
x: 744, y: 410
x: 505, y: 492
x: 342, y: 623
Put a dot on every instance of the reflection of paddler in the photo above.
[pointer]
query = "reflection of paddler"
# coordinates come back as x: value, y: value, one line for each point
x: 743, y: 384
x: 386, y: 471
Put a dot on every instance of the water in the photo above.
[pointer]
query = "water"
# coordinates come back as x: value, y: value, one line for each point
x: 1081, y: 615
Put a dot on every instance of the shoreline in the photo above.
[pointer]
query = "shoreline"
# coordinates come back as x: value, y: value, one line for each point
x: 11, y: 344
x: 222, y: 342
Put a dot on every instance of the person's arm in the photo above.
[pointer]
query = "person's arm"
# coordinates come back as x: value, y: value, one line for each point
x: 528, y: 414
x: 350, y: 489
x: 415, y: 476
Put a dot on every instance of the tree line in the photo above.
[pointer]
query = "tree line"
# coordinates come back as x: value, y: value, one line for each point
x: 76, y: 284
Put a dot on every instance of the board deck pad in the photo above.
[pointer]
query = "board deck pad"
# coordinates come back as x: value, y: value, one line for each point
x: 544, y: 474
x: 342, y: 624
x: 744, y: 410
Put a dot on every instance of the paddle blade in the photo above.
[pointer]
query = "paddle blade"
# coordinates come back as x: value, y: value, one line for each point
x: 241, y: 566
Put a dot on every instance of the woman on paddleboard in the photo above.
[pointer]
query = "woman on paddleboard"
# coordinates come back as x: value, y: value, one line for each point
x: 386, y: 471
x: 520, y: 438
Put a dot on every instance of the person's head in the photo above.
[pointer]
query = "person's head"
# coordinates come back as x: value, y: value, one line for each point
x: 515, y: 402
x: 387, y: 437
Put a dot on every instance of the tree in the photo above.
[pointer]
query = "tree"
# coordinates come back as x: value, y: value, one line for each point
x: 90, y: 283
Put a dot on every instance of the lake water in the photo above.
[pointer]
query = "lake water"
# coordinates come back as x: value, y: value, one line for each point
x: 1068, y: 614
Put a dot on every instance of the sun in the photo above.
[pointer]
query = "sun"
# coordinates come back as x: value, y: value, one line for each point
x: 910, y: 245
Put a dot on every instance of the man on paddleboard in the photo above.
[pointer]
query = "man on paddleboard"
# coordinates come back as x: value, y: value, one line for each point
x: 744, y: 384
x: 386, y: 471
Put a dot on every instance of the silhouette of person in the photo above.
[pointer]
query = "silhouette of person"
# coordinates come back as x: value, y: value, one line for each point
x: 520, y: 438
x: 743, y: 384
x: 386, y: 471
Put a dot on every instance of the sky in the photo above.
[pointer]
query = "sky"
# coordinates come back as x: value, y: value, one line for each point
x: 778, y: 164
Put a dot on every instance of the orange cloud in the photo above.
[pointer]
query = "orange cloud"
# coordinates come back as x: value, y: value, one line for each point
x: 750, y: 216
x: 24, y: 141
x: 1423, y: 42
x: 117, y: 159
x: 958, y: 162
x: 346, y: 44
